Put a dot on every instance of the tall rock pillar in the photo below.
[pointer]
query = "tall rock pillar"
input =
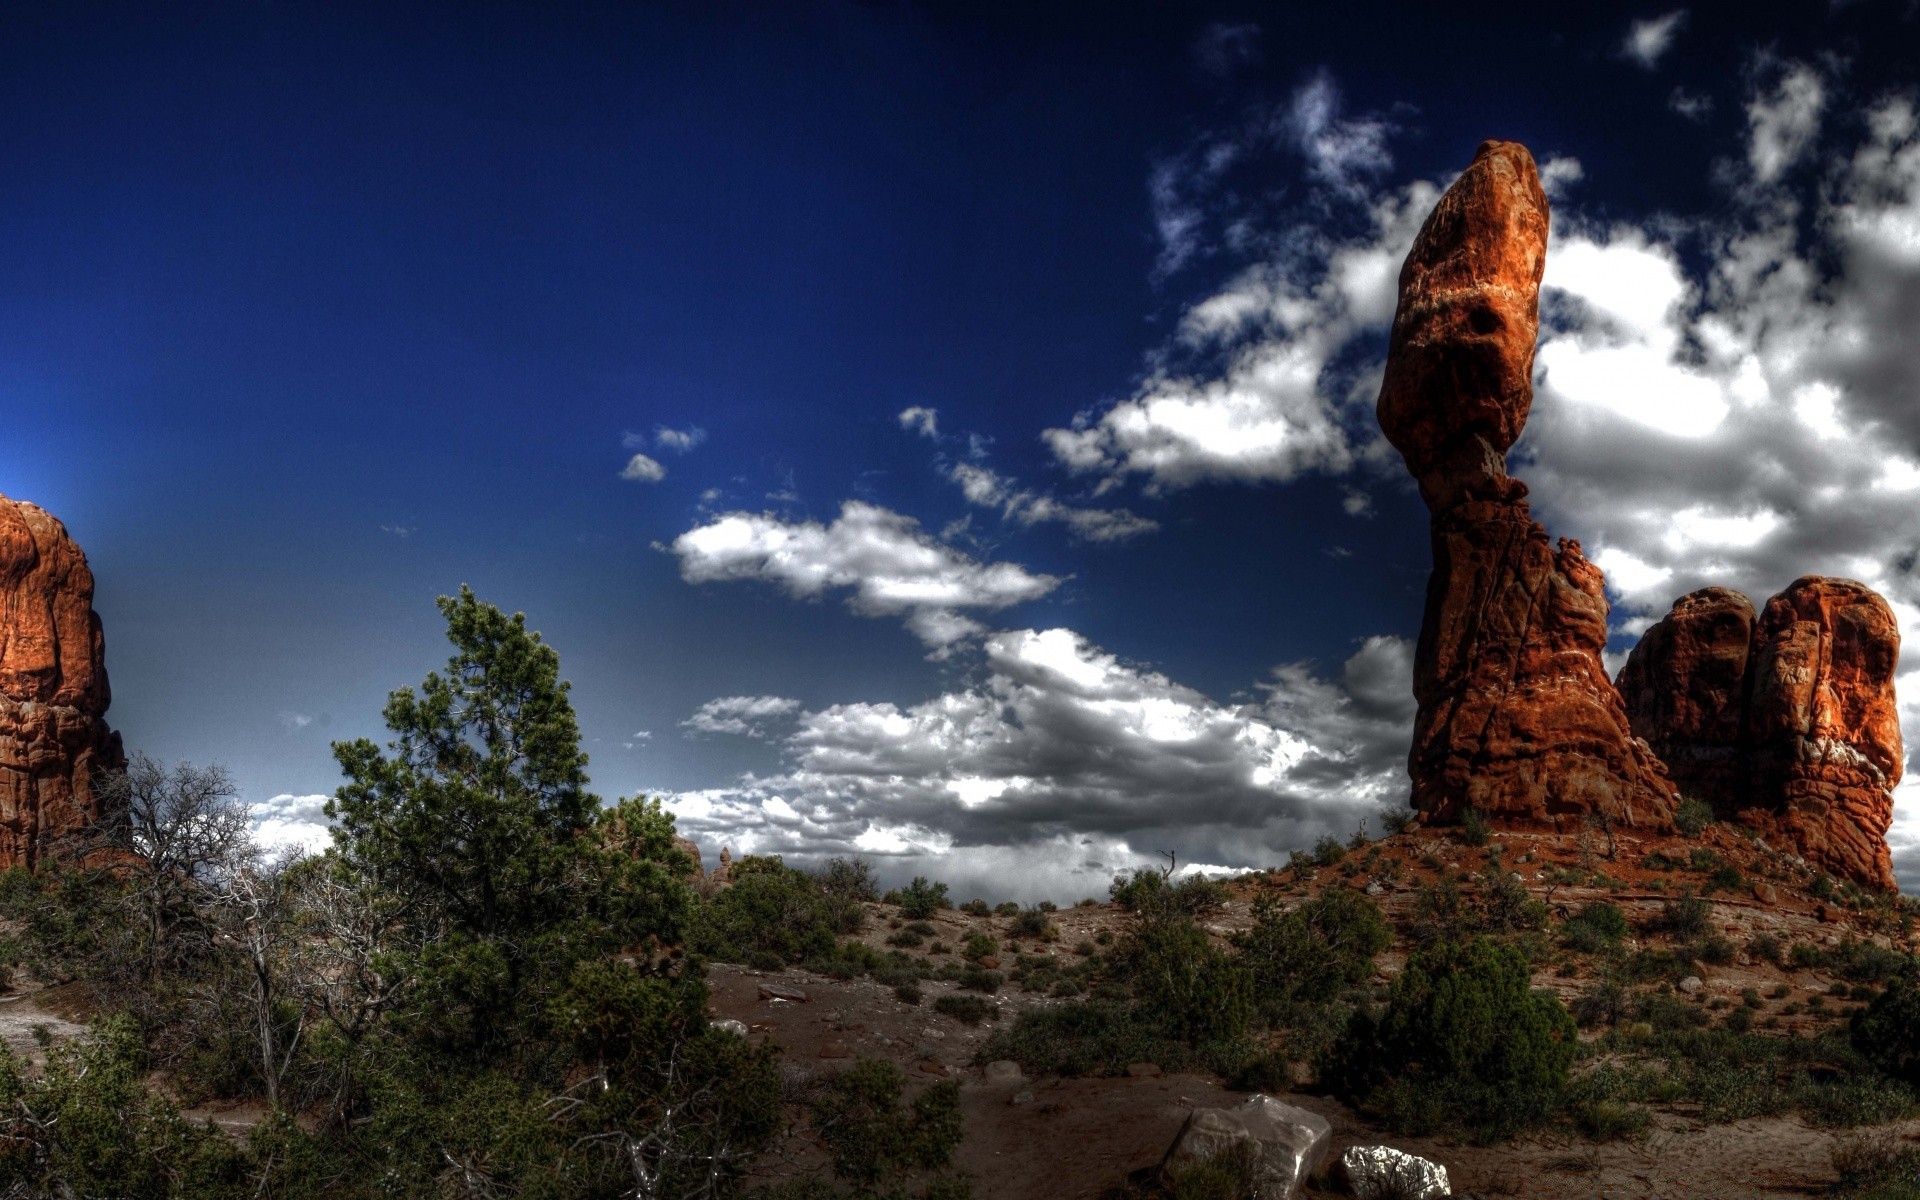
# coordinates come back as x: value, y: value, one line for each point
x: 1517, y: 717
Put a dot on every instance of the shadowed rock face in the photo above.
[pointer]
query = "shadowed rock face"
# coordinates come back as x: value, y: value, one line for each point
x: 1517, y: 716
x: 1685, y: 688
x: 1785, y: 721
x: 54, y: 740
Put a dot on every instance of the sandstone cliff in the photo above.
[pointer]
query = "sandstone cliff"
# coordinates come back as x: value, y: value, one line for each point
x: 54, y: 740
x: 1517, y: 716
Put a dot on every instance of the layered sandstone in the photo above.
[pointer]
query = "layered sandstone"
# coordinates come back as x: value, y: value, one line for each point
x: 1785, y: 721
x: 54, y: 740
x: 1517, y: 716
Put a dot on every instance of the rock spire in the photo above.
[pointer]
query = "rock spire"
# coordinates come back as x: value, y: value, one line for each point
x: 54, y: 740
x: 1517, y: 716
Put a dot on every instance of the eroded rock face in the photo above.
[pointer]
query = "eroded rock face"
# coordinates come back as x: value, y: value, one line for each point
x: 1791, y: 728
x: 1517, y: 716
x: 1685, y: 688
x: 54, y: 740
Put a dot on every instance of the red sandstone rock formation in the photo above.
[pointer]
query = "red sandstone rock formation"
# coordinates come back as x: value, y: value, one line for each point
x: 54, y: 742
x: 1517, y: 717
x: 1786, y: 722
x: 1685, y: 688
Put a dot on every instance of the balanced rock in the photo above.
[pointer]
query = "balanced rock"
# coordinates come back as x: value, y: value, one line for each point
x: 1785, y: 721
x: 1517, y: 716
x: 55, y: 746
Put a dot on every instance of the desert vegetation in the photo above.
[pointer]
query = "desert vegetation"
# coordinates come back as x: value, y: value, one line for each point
x: 495, y: 984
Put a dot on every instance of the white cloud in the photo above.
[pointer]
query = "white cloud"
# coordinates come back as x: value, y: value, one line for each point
x: 641, y: 469
x: 1694, y: 106
x: 294, y: 721
x: 1647, y: 41
x: 1067, y: 756
x: 291, y: 823
x: 888, y: 563
x: 1559, y: 173
x: 678, y: 440
x: 1284, y: 406
x: 744, y: 716
x: 989, y: 489
x: 923, y: 421
x: 1782, y: 122
x: 1341, y: 151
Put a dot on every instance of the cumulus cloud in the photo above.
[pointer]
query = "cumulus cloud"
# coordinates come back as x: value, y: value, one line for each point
x: 888, y: 564
x: 923, y: 421
x: 989, y: 489
x: 289, y: 823
x: 743, y: 716
x: 1725, y: 399
x: 641, y: 469
x: 1065, y: 764
x: 1647, y: 41
x: 679, y: 440
x: 1290, y: 401
x: 1694, y: 106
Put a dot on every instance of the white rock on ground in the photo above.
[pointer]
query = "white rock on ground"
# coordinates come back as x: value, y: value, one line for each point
x: 1288, y: 1144
x: 729, y: 1025
x: 1004, y: 1071
x: 1383, y: 1173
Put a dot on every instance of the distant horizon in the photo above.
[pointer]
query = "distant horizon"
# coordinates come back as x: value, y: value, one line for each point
x: 941, y: 436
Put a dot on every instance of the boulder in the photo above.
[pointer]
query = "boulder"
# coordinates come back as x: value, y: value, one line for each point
x: 1287, y: 1145
x: 1517, y: 716
x: 1004, y: 1070
x: 1383, y: 1173
x: 729, y: 1025
x: 1785, y: 721
x: 55, y: 745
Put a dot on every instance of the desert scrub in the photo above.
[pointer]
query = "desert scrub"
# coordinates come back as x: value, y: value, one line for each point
x: 1694, y: 816
x: 968, y: 1010
x: 1684, y: 917
x: 1464, y: 1043
x: 920, y: 899
x: 1093, y: 1037
x: 1309, y: 956
x: 1598, y: 926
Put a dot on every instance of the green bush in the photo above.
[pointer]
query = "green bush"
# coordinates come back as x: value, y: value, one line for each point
x: 969, y: 1010
x: 1887, y: 1031
x: 976, y: 908
x: 1312, y: 954
x: 1474, y: 830
x: 770, y: 909
x: 1033, y: 923
x: 1464, y: 1042
x: 1328, y: 851
x: 920, y: 899
x: 1597, y: 926
x: 879, y: 1146
x: 1684, y: 917
x: 1152, y: 893
x: 1694, y: 816
x: 1184, y: 984
x: 1006, y: 908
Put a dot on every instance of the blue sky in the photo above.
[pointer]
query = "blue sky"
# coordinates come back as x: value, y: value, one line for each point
x: 941, y: 432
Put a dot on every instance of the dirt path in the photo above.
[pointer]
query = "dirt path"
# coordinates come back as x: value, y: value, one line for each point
x: 23, y: 1024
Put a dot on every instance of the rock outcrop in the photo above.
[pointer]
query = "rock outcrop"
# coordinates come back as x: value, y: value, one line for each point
x: 1784, y: 721
x: 1517, y: 716
x: 1685, y: 688
x: 54, y: 740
